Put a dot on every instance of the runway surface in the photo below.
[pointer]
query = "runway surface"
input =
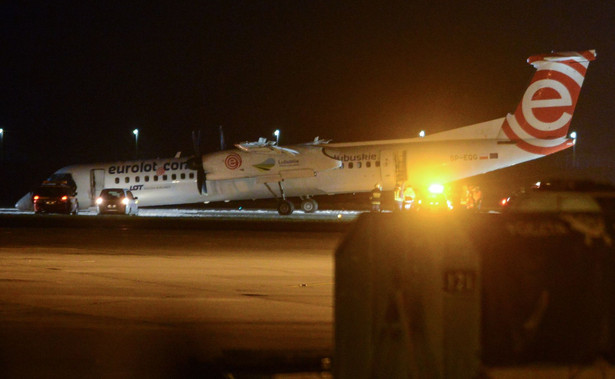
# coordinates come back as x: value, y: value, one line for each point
x: 245, y: 214
x: 135, y: 301
x: 185, y: 219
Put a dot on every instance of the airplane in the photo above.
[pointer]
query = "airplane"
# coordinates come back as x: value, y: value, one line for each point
x: 262, y: 169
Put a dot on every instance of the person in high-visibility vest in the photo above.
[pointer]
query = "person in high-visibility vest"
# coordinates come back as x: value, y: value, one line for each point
x: 467, y: 199
x: 409, y: 196
x: 375, y: 198
x: 399, y: 197
x: 477, y: 196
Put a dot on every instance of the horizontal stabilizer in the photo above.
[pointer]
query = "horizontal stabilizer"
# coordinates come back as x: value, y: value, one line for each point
x: 569, y: 56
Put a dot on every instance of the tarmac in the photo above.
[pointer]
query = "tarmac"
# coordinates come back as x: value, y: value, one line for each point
x: 165, y: 297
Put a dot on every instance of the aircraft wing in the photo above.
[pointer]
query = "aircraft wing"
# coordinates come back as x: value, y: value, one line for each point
x: 318, y: 141
x: 264, y: 146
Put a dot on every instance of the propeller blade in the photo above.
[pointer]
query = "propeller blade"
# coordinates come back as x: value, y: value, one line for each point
x: 201, y: 181
x: 196, y: 142
x: 196, y: 162
x: 222, y: 143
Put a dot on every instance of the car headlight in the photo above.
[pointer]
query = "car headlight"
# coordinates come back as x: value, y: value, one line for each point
x: 99, y: 200
x: 125, y: 201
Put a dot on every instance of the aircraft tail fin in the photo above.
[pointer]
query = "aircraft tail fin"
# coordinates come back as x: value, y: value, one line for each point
x: 542, y: 118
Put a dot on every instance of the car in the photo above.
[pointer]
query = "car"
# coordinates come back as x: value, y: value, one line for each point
x: 563, y: 196
x: 117, y: 201
x: 432, y: 202
x: 55, y: 198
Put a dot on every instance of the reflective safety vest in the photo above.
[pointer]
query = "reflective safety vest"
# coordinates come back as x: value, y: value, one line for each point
x: 399, y: 195
x: 409, y: 194
x: 376, y: 196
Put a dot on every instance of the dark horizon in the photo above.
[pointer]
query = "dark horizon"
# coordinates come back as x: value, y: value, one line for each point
x: 78, y: 78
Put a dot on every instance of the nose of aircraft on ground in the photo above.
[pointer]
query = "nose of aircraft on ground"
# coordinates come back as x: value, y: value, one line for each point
x: 25, y: 203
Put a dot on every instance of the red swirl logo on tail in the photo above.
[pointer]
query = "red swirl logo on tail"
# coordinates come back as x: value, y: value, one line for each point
x: 542, y: 119
x: 232, y: 161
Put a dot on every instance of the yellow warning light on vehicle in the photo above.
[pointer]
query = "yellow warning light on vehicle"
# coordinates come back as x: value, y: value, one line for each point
x: 436, y: 188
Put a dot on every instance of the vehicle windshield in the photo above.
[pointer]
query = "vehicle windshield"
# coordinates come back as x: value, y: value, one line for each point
x: 52, y: 191
x: 63, y: 179
x: 112, y: 194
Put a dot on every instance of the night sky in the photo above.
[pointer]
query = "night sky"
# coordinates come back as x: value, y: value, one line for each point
x: 78, y: 77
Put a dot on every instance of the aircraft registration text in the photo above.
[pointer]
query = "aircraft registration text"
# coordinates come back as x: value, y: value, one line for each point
x: 464, y: 157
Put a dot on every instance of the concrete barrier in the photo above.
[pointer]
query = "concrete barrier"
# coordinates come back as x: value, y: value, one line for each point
x: 455, y: 296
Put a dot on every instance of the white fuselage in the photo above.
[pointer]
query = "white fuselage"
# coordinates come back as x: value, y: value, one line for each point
x: 343, y: 168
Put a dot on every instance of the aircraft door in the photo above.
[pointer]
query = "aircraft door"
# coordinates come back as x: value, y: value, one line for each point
x: 97, y: 183
x: 387, y: 169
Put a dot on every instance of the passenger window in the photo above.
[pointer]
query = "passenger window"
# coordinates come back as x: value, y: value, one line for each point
x: 350, y: 165
x: 126, y: 180
x: 174, y: 177
x: 377, y: 163
x: 146, y: 178
x: 137, y: 179
x: 182, y: 175
x: 117, y: 180
x: 368, y: 164
x: 155, y: 178
x: 358, y: 164
x: 191, y: 175
x: 164, y: 177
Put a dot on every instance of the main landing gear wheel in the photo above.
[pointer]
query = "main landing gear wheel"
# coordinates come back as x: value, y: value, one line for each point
x: 309, y: 205
x: 285, y: 207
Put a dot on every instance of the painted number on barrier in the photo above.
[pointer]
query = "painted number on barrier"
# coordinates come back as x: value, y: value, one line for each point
x: 456, y: 281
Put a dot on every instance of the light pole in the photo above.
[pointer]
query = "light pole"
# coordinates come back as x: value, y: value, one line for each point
x: 574, y: 137
x: 1, y: 144
x: 277, y: 136
x: 136, y: 133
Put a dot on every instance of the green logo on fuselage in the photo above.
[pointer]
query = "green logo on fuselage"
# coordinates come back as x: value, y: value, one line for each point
x: 265, y: 165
